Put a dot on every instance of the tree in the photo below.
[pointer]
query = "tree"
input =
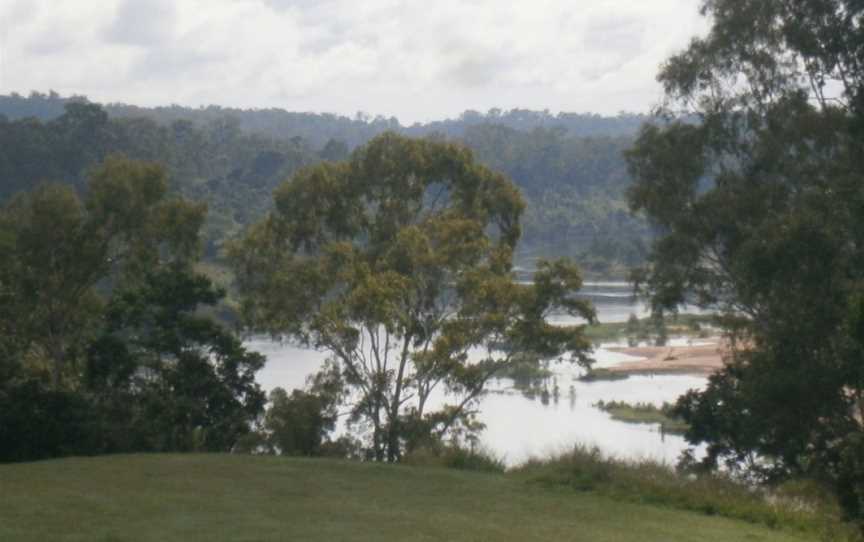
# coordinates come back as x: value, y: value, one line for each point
x: 59, y: 252
x: 190, y: 382
x: 398, y: 262
x: 759, y: 202
x: 298, y: 424
x: 101, y: 345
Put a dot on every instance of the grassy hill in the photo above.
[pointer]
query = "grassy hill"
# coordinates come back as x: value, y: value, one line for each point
x: 242, y: 498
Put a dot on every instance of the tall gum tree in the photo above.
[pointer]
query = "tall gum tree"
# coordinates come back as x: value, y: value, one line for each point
x: 398, y: 262
x: 760, y: 199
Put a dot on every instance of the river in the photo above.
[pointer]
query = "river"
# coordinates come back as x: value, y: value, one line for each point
x: 520, y: 426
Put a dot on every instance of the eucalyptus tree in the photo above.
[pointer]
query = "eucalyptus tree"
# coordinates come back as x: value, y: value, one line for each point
x: 59, y: 251
x: 760, y: 201
x: 398, y: 262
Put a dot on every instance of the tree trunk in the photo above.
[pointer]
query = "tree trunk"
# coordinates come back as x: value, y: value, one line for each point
x: 58, y: 359
x: 394, y: 452
x: 377, y: 444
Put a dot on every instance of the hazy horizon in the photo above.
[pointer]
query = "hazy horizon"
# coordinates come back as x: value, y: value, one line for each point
x: 402, y: 59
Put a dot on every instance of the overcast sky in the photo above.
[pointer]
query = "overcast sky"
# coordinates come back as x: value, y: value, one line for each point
x: 418, y: 60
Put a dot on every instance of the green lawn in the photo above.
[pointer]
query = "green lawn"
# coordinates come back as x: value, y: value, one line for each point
x: 242, y: 498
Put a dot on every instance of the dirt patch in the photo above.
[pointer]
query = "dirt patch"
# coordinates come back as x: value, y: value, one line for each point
x: 702, y: 359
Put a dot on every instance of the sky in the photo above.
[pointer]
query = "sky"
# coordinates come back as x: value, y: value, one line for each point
x: 417, y: 60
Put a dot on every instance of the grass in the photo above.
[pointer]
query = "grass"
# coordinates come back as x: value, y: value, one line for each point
x: 243, y: 498
x: 456, y: 457
x: 595, y: 375
x: 803, y: 507
x: 644, y: 413
x: 682, y: 325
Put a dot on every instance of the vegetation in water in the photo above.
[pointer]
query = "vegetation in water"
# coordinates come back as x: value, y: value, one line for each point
x: 645, y: 413
x: 596, y: 374
x: 648, y: 330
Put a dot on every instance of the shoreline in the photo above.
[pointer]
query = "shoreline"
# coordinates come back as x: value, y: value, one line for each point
x: 703, y: 359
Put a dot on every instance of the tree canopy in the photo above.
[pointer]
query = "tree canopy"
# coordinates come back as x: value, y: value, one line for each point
x: 760, y: 204
x: 569, y: 167
x: 101, y: 345
x: 398, y: 262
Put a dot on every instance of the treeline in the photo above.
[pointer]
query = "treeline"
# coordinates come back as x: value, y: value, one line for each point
x: 319, y: 128
x: 575, y: 189
x: 103, y: 347
x: 233, y: 159
x: 216, y: 163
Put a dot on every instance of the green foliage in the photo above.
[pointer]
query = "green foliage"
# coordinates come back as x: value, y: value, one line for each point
x: 38, y: 423
x: 300, y: 423
x: 587, y: 469
x: 59, y: 250
x: 213, y: 162
x: 594, y: 375
x: 399, y: 263
x: 102, y: 348
x: 760, y: 204
x: 198, y: 390
x: 455, y: 457
x: 645, y: 413
x: 296, y: 423
x: 636, y: 330
x: 569, y: 167
x: 526, y: 371
x: 575, y: 190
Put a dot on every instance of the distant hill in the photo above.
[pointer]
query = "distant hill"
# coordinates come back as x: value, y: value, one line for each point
x: 569, y: 166
x: 319, y: 128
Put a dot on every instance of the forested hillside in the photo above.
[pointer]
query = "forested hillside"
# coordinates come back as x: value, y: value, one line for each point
x: 568, y: 166
x: 318, y: 128
x: 233, y: 172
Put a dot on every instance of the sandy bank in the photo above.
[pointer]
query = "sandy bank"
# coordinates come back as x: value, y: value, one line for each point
x: 702, y: 359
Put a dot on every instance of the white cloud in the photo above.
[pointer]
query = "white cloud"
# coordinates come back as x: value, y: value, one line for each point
x: 147, y: 24
x: 413, y: 59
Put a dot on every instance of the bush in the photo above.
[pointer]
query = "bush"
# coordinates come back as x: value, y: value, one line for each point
x: 587, y: 469
x: 455, y: 457
x: 37, y: 423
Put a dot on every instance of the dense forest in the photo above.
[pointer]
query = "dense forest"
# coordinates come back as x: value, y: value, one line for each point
x: 569, y: 167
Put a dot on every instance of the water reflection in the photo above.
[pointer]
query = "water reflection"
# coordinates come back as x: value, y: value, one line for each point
x: 553, y: 415
x: 613, y: 301
x: 520, y: 425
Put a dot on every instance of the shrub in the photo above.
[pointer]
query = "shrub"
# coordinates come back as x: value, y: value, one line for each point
x: 587, y: 469
x: 455, y: 457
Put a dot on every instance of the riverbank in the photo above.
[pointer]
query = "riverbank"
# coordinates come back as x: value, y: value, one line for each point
x: 701, y: 358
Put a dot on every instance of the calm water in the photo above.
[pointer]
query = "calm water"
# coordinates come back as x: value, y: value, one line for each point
x: 520, y: 426
x: 613, y: 301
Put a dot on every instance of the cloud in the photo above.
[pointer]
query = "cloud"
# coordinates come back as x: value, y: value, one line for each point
x: 145, y: 23
x: 622, y: 35
x: 475, y: 66
x: 16, y: 11
x: 410, y: 58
